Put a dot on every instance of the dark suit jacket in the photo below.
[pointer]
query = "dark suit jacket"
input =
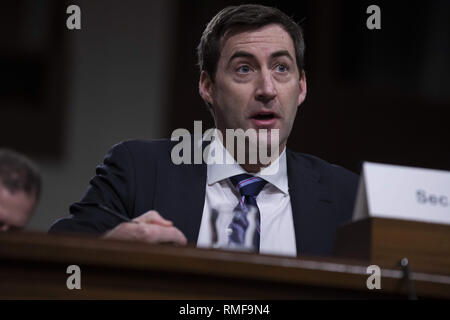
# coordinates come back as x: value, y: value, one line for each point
x: 137, y: 176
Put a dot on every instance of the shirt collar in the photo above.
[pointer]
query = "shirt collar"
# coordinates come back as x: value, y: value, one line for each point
x: 275, y: 173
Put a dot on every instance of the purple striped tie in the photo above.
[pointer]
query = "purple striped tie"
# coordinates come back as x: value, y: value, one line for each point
x: 248, y: 187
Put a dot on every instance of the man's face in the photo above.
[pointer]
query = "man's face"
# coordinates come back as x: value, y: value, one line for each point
x: 257, y: 83
x: 15, y: 209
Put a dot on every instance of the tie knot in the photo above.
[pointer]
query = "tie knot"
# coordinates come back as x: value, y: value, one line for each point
x: 248, y: 185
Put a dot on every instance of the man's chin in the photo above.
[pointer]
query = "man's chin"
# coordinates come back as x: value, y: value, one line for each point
x: 255, y: 136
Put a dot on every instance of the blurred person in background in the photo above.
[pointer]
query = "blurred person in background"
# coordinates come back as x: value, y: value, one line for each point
x: 20, y: 187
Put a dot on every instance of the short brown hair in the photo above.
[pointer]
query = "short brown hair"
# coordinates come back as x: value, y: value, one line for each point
x: 246, y: 17
x: 18, y: 173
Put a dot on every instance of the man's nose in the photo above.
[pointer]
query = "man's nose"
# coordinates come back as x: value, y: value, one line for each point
x: 265, y: 90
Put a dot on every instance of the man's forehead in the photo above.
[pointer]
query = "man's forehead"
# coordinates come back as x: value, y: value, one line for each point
x: 271, y: 37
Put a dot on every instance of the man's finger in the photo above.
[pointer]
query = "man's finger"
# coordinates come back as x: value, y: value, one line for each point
x: 153, y: 216
x: 159, y: 234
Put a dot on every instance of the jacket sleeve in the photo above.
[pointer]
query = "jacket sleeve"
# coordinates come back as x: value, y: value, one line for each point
x: 112, y: 186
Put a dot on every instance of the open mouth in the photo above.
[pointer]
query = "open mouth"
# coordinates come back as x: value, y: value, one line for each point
x: 264, y: 116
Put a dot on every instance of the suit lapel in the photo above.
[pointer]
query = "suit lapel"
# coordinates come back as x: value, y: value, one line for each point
x: 180, y: 195
x: 189, y: 186
x: 304, y: 192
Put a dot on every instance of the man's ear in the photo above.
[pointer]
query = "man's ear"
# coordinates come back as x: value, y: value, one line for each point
x: 302, y: 84
x: 205, y: 88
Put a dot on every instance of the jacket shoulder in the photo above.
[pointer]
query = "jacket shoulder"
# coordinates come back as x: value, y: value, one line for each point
x: 326, y: 171
x: 145, y: 151
x: 145, y: 146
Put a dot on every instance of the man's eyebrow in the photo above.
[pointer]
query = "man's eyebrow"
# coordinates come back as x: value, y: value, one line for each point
x: 282, y: 53
x: 241, y: 54
x: 245, y: 54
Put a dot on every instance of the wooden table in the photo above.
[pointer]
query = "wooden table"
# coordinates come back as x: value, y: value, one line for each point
x: 33, y: 266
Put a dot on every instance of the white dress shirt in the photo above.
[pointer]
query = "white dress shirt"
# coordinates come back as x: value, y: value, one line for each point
x: 277, y: 226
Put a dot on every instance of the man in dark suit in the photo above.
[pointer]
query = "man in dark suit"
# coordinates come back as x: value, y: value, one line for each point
x: 252, y: 78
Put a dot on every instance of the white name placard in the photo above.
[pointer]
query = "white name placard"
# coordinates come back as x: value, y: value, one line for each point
x: 408, y: 193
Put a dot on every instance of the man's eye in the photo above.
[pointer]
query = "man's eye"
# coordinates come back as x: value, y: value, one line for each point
x: 281, y: 68
x: 243, y: 69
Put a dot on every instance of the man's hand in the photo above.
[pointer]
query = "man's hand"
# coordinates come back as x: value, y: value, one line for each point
x: 150, y: 227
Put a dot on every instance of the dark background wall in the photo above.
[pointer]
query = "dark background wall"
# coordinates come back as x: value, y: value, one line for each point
x: 67, y: 96
x: 115, y: 73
